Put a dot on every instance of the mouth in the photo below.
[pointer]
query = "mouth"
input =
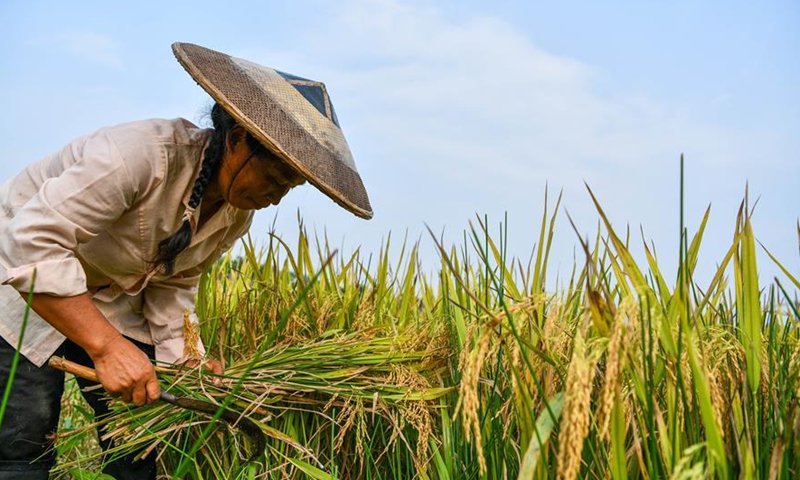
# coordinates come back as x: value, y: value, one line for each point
x: 259, y: 205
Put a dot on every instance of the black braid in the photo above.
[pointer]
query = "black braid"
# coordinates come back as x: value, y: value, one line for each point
x: 172, y: 246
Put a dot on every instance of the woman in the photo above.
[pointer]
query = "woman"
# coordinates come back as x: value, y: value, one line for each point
x: 112, y: 233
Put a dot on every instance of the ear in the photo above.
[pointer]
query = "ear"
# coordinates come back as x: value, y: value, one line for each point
x: 234, y: 137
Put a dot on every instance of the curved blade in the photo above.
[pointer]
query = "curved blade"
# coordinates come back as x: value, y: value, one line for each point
x: 244, y: 424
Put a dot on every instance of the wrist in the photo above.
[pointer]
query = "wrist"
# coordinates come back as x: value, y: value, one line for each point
x: 102, y: 345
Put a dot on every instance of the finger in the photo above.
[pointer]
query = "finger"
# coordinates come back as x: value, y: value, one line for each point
x: 139, y: 395
x: 119, y: 392
x: 191, y: 363
x: 153, y: 391
x: 216, y: 367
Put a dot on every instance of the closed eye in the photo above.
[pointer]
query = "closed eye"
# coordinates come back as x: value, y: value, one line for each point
x: 291, y: 180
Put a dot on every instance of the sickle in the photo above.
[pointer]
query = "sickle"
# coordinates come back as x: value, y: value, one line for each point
x: 246, y: 425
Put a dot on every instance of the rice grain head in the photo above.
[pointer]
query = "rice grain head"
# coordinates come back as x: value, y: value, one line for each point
x: 191, y: 335
x: 626, y: 314
x: 553, y: 328
x: 346, y: 419
x: 419, y: 416
x: 717, y: 400
x: 416, y: 413
x: 795, y: 367
x: 515, y: 363
x: 324, y: 313
x: 364, y: 318
x: 575, y: 416
x: 468, y: 399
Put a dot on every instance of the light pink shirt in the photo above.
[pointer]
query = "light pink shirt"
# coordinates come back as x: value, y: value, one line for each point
x: 89, y: 217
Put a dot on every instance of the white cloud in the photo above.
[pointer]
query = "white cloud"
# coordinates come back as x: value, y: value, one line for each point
x: 464, y: 114
x: 477, y: 87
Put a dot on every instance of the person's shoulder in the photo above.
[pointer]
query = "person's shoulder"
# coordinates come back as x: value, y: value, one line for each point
x: 149, y: 148
x: 156, y: 132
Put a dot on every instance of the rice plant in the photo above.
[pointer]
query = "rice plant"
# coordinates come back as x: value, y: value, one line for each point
x: 356, y: 366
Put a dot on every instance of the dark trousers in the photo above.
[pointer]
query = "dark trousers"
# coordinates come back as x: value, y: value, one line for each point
x: 32, y: 415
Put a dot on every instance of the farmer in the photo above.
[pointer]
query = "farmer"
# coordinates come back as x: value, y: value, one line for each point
x: 111, y: 234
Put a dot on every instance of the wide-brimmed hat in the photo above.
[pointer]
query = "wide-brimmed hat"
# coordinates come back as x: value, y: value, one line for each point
x: 290, y: 115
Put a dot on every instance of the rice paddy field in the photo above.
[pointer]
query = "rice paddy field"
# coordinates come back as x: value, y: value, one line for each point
x: 358, y: 366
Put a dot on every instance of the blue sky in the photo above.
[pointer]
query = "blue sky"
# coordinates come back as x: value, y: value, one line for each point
x: 454, y: 108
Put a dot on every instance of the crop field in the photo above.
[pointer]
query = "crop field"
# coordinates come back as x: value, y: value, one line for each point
x: 358, y: 366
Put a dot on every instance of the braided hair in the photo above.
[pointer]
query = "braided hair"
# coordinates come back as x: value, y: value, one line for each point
x: 172, y: 246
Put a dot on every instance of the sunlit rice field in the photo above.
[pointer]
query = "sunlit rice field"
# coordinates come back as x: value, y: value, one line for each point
x: 358, y: 366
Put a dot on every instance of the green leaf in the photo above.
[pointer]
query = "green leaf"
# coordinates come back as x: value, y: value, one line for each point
x: 783, y: 269
x: 81, y: 474
x: 749, y: 305
x: 694, y: 248
x: 311, y: 470
x: 619, y: 469
x: 544, y: 426
x: 702, y: 389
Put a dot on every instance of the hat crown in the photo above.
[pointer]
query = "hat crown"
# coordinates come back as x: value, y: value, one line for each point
x: 314, y: 92
x: 294, y: 102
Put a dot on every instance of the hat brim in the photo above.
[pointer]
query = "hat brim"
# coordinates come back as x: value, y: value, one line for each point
x: 276, y: 114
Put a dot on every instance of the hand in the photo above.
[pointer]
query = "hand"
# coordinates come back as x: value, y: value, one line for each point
x: 126, y: 372
x: 209, y: 365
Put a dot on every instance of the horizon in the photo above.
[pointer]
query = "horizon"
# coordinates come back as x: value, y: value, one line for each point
x: 457, y: 109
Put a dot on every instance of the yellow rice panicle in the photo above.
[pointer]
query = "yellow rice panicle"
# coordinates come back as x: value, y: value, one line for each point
x: 575, y: 416
x: 191, y: 335
x: 468, y: 399
x: 625, y: 315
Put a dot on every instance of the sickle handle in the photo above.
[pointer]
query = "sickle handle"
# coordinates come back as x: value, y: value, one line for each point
x: 87, y: 373
x: 78, y: 370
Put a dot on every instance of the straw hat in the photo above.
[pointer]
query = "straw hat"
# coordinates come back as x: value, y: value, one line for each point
x: 290, y: 115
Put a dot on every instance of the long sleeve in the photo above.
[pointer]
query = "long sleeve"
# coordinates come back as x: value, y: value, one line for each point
x: 166, y: 302
x: 88, y: 218
x: 90, y: 187
x: 165, y: 307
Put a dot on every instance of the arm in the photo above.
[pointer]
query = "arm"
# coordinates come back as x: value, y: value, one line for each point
x: 90, y: 188
x: 121, y: 367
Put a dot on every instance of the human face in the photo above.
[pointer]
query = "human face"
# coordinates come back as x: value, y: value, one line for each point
x: 253, y: 180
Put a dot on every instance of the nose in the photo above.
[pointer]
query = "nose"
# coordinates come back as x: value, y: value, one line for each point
x: 280, y: 192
